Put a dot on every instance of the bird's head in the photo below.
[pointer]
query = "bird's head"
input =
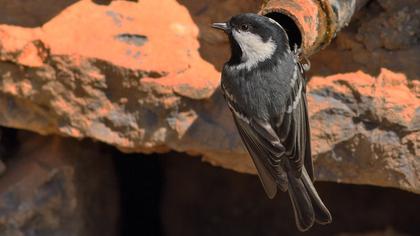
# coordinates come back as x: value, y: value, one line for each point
x: 253, y: 39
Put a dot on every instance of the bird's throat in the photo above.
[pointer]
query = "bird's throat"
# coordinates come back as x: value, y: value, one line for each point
x: 249, y: 49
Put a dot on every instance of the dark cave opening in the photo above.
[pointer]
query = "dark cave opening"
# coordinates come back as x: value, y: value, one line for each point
x: 9, y: 143
x: 196, y: 198
x: 140, y: 182
x: 175, y: 194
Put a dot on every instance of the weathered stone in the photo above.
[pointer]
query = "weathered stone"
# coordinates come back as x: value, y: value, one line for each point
x: 139, y: 76
x: 365, y: 118
x: 56, y: 186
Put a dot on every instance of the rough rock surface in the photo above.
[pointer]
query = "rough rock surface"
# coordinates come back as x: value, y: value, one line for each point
x: 143, y: 77
x: 56, y: 186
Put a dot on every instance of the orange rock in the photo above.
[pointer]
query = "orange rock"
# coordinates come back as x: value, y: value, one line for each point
x: 142, y: 77
x: 150, y: 36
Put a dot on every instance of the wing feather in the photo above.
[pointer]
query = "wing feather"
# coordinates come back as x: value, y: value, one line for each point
x: 280, y: 144
x: 265, y: 149
x: 258, y: 153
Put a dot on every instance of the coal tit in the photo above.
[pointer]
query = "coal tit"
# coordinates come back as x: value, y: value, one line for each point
x: 264, y: 86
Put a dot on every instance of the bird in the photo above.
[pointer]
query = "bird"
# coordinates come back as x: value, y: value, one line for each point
x: 264, y: 86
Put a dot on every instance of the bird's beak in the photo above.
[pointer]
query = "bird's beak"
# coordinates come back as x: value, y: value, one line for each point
x: 222, y: 26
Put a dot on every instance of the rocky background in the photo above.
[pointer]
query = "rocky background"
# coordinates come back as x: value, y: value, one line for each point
x: 143, y: 77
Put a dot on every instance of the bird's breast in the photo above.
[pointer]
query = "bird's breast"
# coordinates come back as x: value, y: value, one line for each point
x: 256, y: 93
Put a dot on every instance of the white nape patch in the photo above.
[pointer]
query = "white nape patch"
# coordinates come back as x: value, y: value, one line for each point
x: 254, y: 49
x: 282, y: 29
x: 274, y: 22
x: 292, y: 107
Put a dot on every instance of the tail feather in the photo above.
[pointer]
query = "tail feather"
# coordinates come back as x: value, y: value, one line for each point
x: 322, y: 214
x: 307, y: 205
x: 301, y: 202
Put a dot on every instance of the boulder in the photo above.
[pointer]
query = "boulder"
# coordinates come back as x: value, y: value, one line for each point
x: 56, y: 186
x: 144, y: 77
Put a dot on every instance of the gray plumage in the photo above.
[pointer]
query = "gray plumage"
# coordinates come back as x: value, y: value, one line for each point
x: 264, y: 87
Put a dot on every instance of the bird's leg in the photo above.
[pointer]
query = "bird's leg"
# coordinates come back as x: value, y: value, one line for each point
x: 304, y: 62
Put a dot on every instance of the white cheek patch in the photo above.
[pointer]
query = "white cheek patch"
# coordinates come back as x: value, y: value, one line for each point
x: 254, y: 49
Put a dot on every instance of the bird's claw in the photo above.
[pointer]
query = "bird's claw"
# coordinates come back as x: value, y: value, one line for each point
x: 301, y: 58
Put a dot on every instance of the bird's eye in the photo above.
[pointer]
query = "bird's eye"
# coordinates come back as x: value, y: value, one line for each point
x: 244, y: 27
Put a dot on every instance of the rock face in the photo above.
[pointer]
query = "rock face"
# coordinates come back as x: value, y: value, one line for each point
x: 144, y: 77
x: 56, y: 186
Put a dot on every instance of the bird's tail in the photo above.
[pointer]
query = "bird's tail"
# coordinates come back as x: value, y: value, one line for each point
x: 307, y: 205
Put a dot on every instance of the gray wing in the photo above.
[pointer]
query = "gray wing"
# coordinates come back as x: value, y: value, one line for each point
x: 256, y: 151
x: 292, y: 128
x: 265, y: 151
x: 279, y: 145
x: 308, y: 150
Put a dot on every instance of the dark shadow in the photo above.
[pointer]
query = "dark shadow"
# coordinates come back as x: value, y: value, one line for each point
x: 107, y: 2
x: 140, y: 181
x: 102, y: 2
x: 199, y: 199
x: 33, y: 13
x: 9, y: 144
